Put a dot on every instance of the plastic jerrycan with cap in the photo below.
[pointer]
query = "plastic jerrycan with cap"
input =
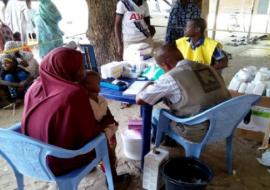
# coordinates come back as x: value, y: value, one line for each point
x: 152, y: 179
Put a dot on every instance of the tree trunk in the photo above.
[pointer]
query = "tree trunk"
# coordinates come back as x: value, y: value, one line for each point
x: 204, y: 5
x: 101, y: 29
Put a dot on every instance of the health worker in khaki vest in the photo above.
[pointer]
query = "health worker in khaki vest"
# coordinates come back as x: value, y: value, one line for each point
x: 187, y: 88
x: 199, y: 48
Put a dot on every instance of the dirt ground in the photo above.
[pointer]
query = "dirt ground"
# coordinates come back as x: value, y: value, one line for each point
x: 248, y: 174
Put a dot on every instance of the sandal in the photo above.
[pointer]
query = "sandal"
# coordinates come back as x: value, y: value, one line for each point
x: 124, y: 105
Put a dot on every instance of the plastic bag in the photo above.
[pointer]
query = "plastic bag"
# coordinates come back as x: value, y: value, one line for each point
x: 153, y: 72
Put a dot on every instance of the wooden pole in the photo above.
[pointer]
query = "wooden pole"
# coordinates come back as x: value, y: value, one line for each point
x: 204, y: 5
x: 251, y: 18
x: 215, y: 19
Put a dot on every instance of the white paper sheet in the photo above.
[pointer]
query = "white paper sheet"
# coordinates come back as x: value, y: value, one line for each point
x: 135, y: 88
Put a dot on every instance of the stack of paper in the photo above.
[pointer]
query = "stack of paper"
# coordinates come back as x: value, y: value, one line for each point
x: 135, y: 87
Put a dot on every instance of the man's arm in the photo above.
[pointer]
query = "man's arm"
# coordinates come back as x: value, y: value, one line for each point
x: 140, y: 101
x: 165, y: 86
x: 7, y: 83
x: 118, y: 34
x: 221, y: 64
x: 220, y: 59
x: 27, y: 81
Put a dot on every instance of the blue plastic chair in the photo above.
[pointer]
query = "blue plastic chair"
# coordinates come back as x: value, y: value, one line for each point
x: 89, y: 58
x: 27, y: 156
x: 223, y: 119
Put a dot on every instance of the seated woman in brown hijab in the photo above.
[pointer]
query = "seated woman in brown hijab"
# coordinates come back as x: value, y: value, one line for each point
x: 57, y: 109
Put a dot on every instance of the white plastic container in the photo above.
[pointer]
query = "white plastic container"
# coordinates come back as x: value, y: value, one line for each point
x: 136, y: 52
x: 259, y: 88
x: 243, y: 75
x: 152, y: 179
x: 242, y: 87
x: 250, y: 88
x: 112, y: 70
x: 234, y: 84
x: 132, y: 141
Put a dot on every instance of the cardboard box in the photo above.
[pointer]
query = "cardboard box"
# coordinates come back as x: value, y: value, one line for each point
x: 260, y: 119
x: 258, y: 123
x: 264, y: 101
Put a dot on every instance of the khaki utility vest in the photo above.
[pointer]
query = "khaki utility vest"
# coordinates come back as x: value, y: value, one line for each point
x: 201, y: 88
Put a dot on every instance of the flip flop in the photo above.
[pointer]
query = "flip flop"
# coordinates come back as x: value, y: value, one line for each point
x: 124, y: 105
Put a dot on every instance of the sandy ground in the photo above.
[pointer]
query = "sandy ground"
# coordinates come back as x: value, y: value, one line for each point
x: 248, y: 174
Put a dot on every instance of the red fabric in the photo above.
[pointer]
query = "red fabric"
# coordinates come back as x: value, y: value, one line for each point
x: 57, y: 110
x: 27, y: 48
x: 6, y: 32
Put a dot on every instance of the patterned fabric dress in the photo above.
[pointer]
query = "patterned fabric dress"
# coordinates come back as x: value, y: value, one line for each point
x: 178, y: 18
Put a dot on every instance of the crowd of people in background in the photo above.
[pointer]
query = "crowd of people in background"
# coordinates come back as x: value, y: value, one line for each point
x: 19, y: 17
x: 21, y: 25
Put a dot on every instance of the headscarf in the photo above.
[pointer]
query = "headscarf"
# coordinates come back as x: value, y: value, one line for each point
x: 57, y: 110
x: 9, y: 58
x: 49, y: 34
x: 16, y: 48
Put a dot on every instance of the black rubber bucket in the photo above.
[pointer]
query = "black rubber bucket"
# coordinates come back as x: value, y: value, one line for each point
x: 186, y: 173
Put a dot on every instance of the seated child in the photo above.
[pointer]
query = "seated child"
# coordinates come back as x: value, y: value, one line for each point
x: 24, y: 58
x: 106, y: 121
x: 11, y: 73
x: 100, y: 106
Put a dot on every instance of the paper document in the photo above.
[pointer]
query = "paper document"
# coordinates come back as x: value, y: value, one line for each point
x: 135, y: 87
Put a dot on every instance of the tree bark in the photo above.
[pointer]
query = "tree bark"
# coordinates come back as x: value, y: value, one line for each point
x: 101, y: 29
x: 204, y: 5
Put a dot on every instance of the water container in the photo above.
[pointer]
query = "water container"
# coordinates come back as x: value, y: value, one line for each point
x: 132, y: 141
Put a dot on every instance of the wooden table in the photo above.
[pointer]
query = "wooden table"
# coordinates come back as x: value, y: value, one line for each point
x: 264, y: 102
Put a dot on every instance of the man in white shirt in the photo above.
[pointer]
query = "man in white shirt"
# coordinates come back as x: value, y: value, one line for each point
x: 13, y: 15
x: 2, y: 10
x: 132, y: 24
x: 187, y: 88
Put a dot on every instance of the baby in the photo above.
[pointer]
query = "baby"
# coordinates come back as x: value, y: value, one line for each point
x: 105, y: 120
x: 100, y: 106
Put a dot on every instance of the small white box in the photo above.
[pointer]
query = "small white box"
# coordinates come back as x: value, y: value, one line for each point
x: 132, y: 143
x: 234, y: 84
x: 152, y: 179
x: 259, y: 88
x: 112, y: 70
